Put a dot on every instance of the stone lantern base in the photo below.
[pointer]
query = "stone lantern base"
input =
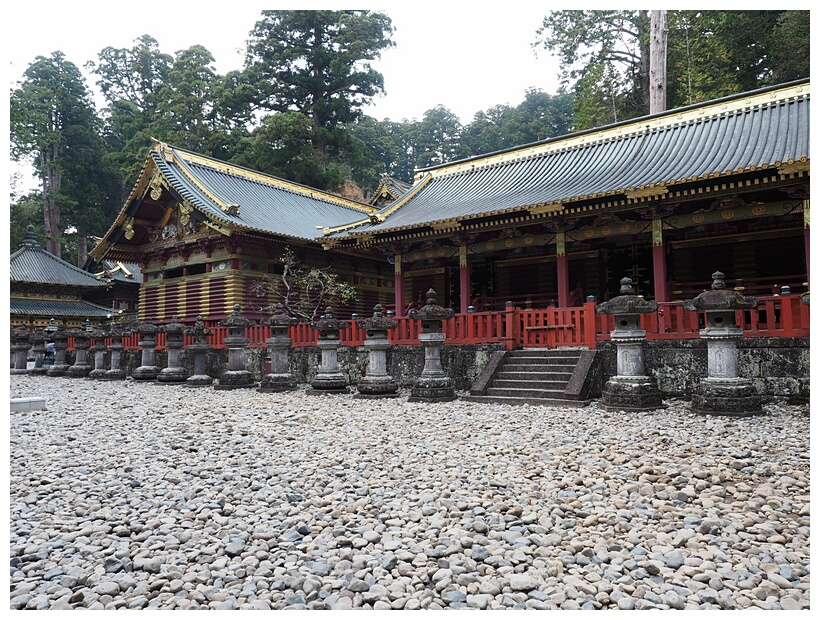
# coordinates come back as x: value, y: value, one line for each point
x: 146, y: 373
x: 631, y: 394
x: 432, y: 390
x: 78, y: 370
x: 172, y: 374
x: 116, y: 374
x: 199, y: 380
x: 277, y: 383
x: 371, y: 387
x: 234, y: 380
x: 730, y: 397
x: 328, y: 383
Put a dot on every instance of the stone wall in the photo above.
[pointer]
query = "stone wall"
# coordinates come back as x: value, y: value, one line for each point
x: 462, y: 363
x: 777, y: 367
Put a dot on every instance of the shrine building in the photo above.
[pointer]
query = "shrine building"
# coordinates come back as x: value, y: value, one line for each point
x: 665, y: 199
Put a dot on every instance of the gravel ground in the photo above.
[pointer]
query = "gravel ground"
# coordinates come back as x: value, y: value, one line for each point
x: 143, y: 496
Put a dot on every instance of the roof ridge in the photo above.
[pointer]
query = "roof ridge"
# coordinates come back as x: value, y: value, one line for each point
x: 661, y: 120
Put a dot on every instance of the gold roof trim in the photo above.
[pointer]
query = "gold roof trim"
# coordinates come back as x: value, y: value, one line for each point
x: 649, y: 191
x: 382, y: 215
x: 260, y: 177
x: 673, y: 117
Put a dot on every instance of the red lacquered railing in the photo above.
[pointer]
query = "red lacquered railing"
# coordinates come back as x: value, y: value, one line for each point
x: 775, y: 316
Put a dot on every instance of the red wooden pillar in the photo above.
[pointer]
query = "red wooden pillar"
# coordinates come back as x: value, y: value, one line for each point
x: 398, y: 284
x: 806, y: 237
x: 563, y: 270
x: 659, y: 261
x: 463, y: 279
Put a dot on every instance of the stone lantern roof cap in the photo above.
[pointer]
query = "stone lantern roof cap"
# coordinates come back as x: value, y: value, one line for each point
x: 146, y: 329
x: 431, y: 311
x: 378, y: 322
x: 627, y: 302
x: 235, y: 319
x: 198, y: 328
x: 328, y: 322
x: 719, y: 298
x: 174, y: 327
x: 279, y: 318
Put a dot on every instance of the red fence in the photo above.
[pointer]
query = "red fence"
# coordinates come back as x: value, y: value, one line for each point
x: 779, y: 317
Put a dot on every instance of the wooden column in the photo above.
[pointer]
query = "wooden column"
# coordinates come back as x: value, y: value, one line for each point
x: 463, y: 279
x: 659, y: 261
x: 806, y: 237
x: 398, y: 284
x: 563, y: 269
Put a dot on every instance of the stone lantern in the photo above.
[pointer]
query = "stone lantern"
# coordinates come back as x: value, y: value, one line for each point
x: 38, y: 340
x: 377, y: 383
x: 280, y: 379
x: 97, y: 349
x: 432, y: 385
x: 60, y: 338
x: 116, y: 333
x: 631, y: 389
x: 174, y: 371
x: 236, y: 376
x: 20, y: 339
x: 199, y: 348
x: 147, y: 370
x: 82, y: 341
x: 722, y: 392
x: 329, y: 379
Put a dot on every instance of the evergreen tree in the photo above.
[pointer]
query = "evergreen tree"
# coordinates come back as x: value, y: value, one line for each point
x: 53, y: 121
x: 317, y: 64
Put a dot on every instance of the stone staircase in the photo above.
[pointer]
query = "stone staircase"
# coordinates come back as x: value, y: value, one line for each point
x: 532, y: 376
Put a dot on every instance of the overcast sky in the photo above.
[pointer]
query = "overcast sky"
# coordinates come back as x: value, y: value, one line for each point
x: 467, y: 59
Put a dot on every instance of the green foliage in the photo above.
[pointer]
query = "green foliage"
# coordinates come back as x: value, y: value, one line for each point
x: 711, y: 54
x: 538, y: 117
x: 24, y: 212
x: 53, y: 120
x: 318, y: 64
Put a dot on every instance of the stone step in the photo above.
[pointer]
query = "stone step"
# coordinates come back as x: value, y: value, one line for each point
x: 530, y: 385
x: 544, y: 353
x: 538, y: 368
x: 515, y: 375
x: 513, y: 400
x: 526, y: 392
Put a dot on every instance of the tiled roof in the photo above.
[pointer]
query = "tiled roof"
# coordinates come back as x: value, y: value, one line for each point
x: 31, y: 263
x: 119, y: 271
x: 730, y: 136
x: 265, y: 203
x: 57, y: 308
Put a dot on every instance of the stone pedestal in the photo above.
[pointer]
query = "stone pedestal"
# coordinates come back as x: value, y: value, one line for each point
x: 199, y: 349
x: 329, y: 379
x: 631, y: 389
x: 38, y: 340
x: 82, y: 341
x: 279, y: 379
x: 20, y: 344
x: 376, y: 382
x: 147, y: 370
x: 174, y: 372
x: 722, y: 392
x: 115, y: 372
x: 236, y: 376
x: 432, y: 385
x: 97, y: 351
x: 60, y: 339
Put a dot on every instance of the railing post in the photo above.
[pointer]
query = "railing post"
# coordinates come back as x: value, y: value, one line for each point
x: 589, y: 324
x: 787, y: 315
x: 511, y: 318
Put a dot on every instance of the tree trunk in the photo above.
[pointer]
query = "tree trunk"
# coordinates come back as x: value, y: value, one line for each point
x: 82, y: 246
x: 51, y: 181
x: 657, y: 62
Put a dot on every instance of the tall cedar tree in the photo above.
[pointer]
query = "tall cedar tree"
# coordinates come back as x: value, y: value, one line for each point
x: 317, y: 64
x: 53, y: 121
